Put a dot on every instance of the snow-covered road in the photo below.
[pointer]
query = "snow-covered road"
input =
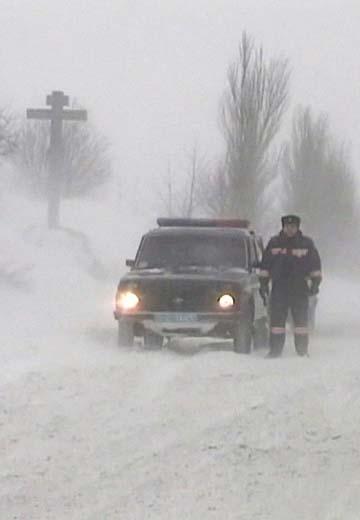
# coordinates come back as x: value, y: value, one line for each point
x: 91, y: 432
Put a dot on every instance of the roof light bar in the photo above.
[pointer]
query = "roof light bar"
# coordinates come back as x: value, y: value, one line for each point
x: 203, y: 222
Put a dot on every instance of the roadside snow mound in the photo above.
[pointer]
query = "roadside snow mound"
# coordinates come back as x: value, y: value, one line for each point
x: 15, y: 263
x: 95, y: 236
x: 64, y: 247
x: 91, y: 431
x: 32, y: 254
x: 52, y: 284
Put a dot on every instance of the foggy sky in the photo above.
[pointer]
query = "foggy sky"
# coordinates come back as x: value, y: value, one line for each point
x: 151, y: 73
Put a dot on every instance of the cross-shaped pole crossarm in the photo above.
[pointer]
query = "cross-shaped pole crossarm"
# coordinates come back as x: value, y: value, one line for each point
x: 74, y: 115
x: 39, y: 113
x: 48, y: 113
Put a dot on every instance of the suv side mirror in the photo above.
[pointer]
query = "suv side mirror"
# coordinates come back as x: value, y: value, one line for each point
x: 130, y: 263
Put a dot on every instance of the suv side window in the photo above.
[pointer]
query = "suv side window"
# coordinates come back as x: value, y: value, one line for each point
x: 139, y: 249
x: 253, y: 256
x: 259, y: 248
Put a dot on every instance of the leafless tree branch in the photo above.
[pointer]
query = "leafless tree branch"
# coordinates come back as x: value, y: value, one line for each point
x: 86, y: 161
x: 251, y: 112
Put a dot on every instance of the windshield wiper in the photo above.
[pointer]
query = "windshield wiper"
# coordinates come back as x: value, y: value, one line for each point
x: 228, y: 267
x: 195, y: 267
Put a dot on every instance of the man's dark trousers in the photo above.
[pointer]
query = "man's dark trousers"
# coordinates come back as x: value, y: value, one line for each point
x: 284, y: 297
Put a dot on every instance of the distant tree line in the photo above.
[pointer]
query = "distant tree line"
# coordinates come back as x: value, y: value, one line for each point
x: 258, y: 178
x: 86, y: 160
x: 8, y: 133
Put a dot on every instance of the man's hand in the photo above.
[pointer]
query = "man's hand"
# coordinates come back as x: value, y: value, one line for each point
x: 264, y: 291
x: 314, y: 287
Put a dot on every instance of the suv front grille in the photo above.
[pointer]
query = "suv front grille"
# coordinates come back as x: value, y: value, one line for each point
x: 168, y: 295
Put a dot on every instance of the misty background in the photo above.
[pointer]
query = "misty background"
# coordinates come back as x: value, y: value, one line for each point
x: 221, y: 108
x: 152, y: 76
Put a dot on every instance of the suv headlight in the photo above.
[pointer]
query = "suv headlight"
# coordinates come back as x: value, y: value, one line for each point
x: 226, y: 301
x: 127, y: 300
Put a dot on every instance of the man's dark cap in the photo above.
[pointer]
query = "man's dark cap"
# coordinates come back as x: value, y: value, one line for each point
x: 290, y: 219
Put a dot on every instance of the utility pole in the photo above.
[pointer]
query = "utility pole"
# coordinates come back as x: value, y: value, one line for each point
x: 56, y: 115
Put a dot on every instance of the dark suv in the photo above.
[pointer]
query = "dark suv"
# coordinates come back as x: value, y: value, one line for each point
x: 193, y: 278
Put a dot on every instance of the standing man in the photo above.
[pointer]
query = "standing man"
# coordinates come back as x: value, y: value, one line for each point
x: 292, y: 263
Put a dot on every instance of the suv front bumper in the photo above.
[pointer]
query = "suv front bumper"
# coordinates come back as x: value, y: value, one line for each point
x: 171, y: 324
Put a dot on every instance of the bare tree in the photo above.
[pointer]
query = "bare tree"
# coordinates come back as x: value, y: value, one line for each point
x: 181, y: 198
x: 319, y: 183
x: 214, y: 189
x: 166, y: 197
x: 194, y: 170
x: 8, y: 133
x: 251, y: 112
x: 32, y: 157
x: 86, y: 161
x: 305, y: 162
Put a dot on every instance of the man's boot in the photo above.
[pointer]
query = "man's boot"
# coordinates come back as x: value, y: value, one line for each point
x: 302, y: 353
x: 277, y: 341
x: 273, y: 354
x: 301, y: 344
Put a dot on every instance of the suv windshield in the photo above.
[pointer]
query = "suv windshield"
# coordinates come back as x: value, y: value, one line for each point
x: 192, y: 250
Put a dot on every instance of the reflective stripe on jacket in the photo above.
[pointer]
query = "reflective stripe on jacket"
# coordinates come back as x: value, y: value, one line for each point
x: 294, y: 259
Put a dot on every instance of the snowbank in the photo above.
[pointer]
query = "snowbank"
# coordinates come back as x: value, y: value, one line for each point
x: 88, y: 431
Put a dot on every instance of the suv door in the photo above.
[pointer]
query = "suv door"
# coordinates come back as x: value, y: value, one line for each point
x: 255, y: 257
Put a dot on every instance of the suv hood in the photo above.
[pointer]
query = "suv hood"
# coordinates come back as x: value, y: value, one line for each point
x: 188, y: 273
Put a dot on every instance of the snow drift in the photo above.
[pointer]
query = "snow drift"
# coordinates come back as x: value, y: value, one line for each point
x: 191, y: 432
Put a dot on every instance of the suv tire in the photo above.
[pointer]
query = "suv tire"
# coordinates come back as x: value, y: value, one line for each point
x: 153, y: 341
x: 125, y: 334
x: 260, y: 334
x: 242, y: 336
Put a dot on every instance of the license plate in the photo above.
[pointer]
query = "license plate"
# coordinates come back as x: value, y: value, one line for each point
x: 176, y: 317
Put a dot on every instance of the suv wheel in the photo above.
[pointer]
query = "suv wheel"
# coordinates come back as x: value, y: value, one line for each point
x: 260, y: 334
x: 243, y: 336
x: 153, y: 341
x: 125, y: 334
